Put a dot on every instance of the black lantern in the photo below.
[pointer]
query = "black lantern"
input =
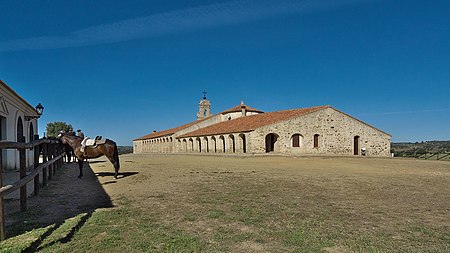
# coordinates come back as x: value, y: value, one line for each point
x: 39, y: 110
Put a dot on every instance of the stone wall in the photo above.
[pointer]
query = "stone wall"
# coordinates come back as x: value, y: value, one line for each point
x: 336, y: 132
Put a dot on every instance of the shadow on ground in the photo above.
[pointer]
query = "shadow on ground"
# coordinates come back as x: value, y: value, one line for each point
x: 119, y: 175
x: 63, y: 198
x: 97, y: 161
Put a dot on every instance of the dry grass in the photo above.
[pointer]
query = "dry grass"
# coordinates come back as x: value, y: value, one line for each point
x: 178, y: 203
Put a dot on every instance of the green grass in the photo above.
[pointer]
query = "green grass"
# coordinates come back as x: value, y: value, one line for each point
x: 25, y: 241
x: 64, y: 232
x: 127, y: 229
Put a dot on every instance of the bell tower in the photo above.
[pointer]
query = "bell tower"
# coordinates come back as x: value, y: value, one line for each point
x: 204, y: 107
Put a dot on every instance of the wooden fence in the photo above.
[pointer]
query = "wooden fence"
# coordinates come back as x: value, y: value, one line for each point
x: 434, y: 156
x: 50, y: 152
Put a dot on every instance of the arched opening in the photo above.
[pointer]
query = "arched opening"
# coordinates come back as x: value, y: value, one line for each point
x: 206, y: 144
x: 184, y: 145
x: 244, y: 143
x: 316, y: 140
x: 270, y: 142
x: 213, y: 139
x: 232, y: 143
x: 297, y: 140
x: 356, y: 145
x: 191, y: 144
x: 222, y: 139
x: 31, y: 133
x: 199, y: 143
x: 20, y: 136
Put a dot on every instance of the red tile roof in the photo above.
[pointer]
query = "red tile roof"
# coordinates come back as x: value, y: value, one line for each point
x: 239, y: 109
x: 170, y: 131
x: 176, y: 129
x: 250, y: 123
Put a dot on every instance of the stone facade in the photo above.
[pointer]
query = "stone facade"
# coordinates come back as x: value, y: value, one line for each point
x: 309, y: 131
x: 204, y: 108
x: 336, y: 133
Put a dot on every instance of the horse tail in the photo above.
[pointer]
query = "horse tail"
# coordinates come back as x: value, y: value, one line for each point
x: 116, y: 156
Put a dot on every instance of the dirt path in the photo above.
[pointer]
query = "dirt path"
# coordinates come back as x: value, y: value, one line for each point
x: 65, y: 196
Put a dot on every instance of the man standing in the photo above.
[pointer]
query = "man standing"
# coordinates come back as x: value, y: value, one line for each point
x: 80, y: 134
x: 70, y: 132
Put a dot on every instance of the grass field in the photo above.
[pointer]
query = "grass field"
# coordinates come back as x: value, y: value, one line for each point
x: 178, y: 203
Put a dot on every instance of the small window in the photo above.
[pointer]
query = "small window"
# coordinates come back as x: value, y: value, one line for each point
x: 296, y: 140
x: 316, y: 140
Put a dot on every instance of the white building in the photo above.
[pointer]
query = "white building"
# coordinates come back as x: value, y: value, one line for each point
x: 18, y: 123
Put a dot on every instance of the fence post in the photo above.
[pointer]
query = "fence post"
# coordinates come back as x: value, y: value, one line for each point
x: 23, y: 173
x: 50, y: 167
x: 44, y: 160
x: 60, y: 159
x: 55, y: 166
x: 36, y: 164
x: 2, y: 207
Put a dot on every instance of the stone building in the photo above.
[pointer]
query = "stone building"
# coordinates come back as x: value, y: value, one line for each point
x: 321, y: 130
x: 18, y: 123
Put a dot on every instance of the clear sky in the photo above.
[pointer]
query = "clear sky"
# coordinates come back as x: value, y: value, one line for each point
x: 123, y: 68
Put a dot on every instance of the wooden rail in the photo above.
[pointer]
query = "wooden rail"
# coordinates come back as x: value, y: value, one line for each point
x: 433, y: 156
x: 52, y: 154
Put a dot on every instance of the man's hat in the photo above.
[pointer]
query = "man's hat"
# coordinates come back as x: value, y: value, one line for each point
x: 78, y: 130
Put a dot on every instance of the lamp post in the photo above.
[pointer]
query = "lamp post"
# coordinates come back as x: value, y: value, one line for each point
x: 39, y: 110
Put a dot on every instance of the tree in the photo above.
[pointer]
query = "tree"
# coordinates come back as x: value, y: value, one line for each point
x: 53, y: 128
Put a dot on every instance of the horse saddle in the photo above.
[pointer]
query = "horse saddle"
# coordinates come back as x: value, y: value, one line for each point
x: 88, y: 142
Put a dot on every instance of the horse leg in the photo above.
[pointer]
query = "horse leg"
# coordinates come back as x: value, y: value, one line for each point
x: 115, y: 162
x: 80, y: 165
x: 116, y: 166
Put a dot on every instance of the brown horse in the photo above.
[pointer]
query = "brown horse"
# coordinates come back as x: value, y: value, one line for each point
x: 109, y: 149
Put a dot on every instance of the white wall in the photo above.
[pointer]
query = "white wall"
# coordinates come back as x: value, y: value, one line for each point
x: 12, y: 106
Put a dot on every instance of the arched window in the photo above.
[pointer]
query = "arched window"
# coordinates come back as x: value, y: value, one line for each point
x: 296, y: 140
x: 316, y: 140
x: 20, y: 136
x: 31, y: 133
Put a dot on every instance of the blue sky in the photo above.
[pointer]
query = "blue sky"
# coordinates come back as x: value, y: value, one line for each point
x: 123, y: 68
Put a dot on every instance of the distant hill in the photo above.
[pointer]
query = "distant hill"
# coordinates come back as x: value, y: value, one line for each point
x: 409, y: 149
x: 125, y: 150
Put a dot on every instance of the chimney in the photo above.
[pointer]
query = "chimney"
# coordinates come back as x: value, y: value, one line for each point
x: 243, y: 109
